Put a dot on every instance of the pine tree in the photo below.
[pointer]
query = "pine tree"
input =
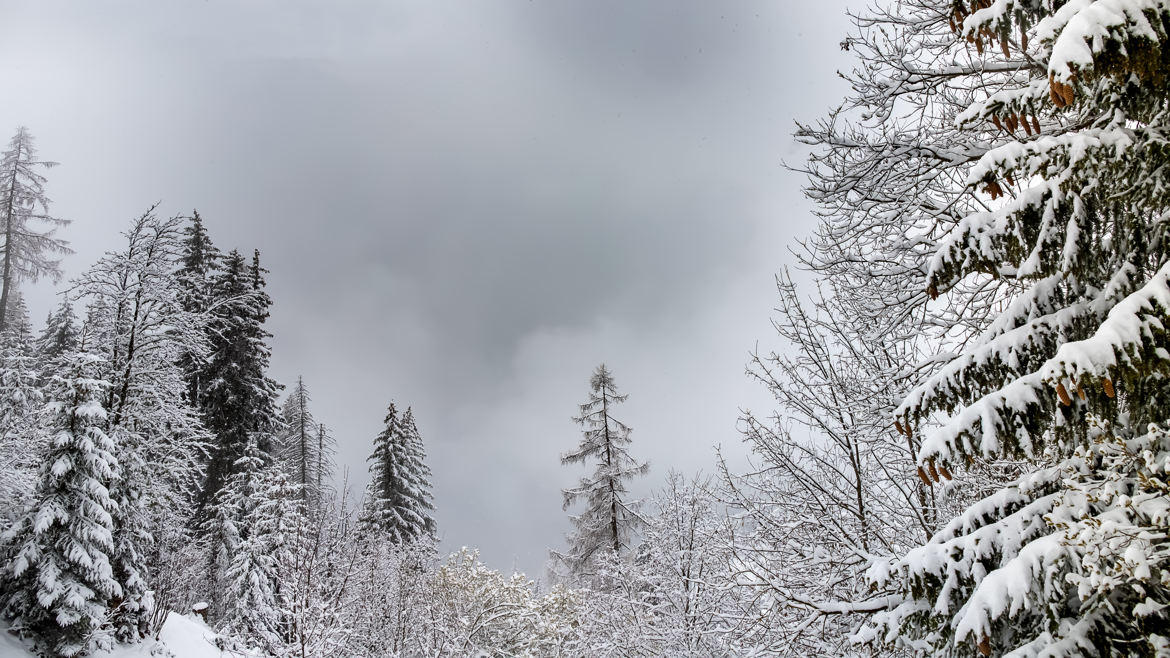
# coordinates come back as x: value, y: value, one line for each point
x: 21, y: 397
x: 58, y: 579
x: 398, y: 501
x: 198, y: 264
x: 609, y: 519
x: 417, y: 456
x: 1006, y: 174
x: 18, y: 330
x: 239, y: 400
x: 60, y: 335
x: 260, y: 506
x: 27, y: 252
x: 298, y: 445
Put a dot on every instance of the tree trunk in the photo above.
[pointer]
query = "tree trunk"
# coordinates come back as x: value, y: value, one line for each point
x: 9, y: 217
x: 613, y: 523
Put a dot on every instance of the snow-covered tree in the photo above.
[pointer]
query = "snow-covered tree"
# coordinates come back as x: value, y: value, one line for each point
x: 302, y: 445
x: 30, y: 243
x: 609, y: 519
x: 198, y: 266
x: 260, y: 508
x: 57, y: 583
x: 398, y: 500
x: 239, y: 399
x: 18, y: 324
x: 830, y: 484
x: 998, y: 171
x: 60, y: 334
x: 333, y: 580
x: 678, y: 596
x: 472, y: 610
x: 326, y: 461
x: 21, y: 397
x: 392, y: 596
x: 138, y: 325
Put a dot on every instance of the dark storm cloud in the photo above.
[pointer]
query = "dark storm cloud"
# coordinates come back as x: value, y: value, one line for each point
x: 464, y: 206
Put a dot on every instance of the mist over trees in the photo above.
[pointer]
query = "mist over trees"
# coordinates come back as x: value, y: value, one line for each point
x: 967, y: 453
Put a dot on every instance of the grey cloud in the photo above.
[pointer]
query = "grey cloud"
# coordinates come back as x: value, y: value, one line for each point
x: 464, y: 206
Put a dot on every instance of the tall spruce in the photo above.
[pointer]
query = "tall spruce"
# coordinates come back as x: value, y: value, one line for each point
x: 239, y: 399
x: 259, y: 509
x: 61, y: 333
x: 610, y: 518
x: 198, y: 265
x: 398, y: 500
x: 57, y: 582
x: 30, y: 243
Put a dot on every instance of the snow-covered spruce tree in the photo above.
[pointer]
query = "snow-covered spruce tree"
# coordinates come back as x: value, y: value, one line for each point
x: 61, y: 333
x: 398, y: 500
x: 28, y: 251
x: 262, y: 517
x: 417, y: 457
x: 18, y: 327
x: 239, y: 399
x: 1020, y: 145
x: 21, y: 397
x: 57, y: 580
x: 297, y: 445
x: 138, y: 325
x: 198, y: 266
x: 609, y: 519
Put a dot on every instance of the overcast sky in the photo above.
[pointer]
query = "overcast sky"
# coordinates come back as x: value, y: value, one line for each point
x: 465, y: 206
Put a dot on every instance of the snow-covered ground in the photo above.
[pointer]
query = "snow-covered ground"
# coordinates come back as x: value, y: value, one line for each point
x: 183, y: 635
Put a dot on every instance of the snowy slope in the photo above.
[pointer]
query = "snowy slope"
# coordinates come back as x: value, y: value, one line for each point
x: 184, y: 636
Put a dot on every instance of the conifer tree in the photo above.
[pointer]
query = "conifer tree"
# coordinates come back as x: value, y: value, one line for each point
x: 417, y: 453
x: 609, y: 519
x: 21, y: 396
x: 239, y: 398
x: 18, y: 330
x: 58, y: 579
x: 326, y: 460
x: 60, y: 335
x: 398, y: 501
x: 1003, y: 178
x: 198, y: 264
x: 260, y: 509
x: 298, y: 445
x: 27, y: 252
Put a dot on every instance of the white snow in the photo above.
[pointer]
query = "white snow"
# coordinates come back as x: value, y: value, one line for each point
x: 1092, y: 26
x: 184, y: 636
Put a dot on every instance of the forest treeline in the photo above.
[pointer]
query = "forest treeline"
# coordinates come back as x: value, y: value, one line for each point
x: 968, y: 455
